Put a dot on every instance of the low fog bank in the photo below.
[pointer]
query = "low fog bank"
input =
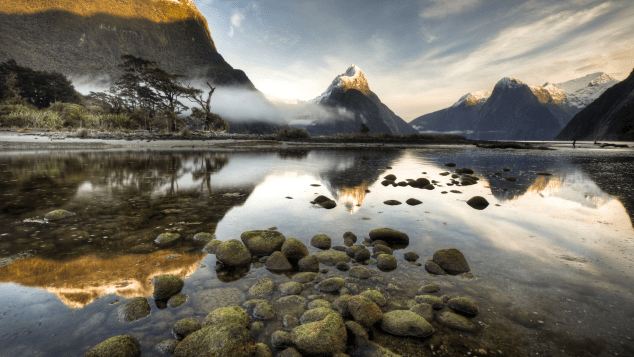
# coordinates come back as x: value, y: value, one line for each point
x: 454, y: 132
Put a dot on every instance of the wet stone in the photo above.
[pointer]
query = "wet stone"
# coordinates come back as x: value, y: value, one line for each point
x: 324, y: 337
x: 321, y: 241
x: 278, y: 262
x: 316, y: 314
x: 120, y: 346
x: 375, y: 296
x: 290, y: 288
x: 263, y: 311
x: 342, y: 266
x: 233, y: 254
x: 413, y: 202
x: 331, y: 285
x: 290, y: 321
x: 451, y: 260
x: 329, y: 257
x: 166, y: 347
x: 392, y: 202
x: 381, y: 249
x: 309, y: 264
x: 411, y: 256
x: 464, y: 305
x: 386, y: 262
x: 362, y: 255
x: 165, y: 240
x: 289, y: 352
x: 429, y: 288
x: 184, y: 327
x: 360, y: 272
x: 478, y: 202
x: 166, y: 286
x: 203, y: 238
x: 455, y: 321
x: 281, y: 339
x: 262, y: 288
x: 262, y: 350
x: 134, y: 309
x: 263, y: 242
x: 319, y: 303
x: 210, y: 248
x: 58, y: 214
x: 306, y: 277
x: 341, y: 305
x: 364, y: 311
x: 406, y: 323
x: 351, y: 251
x: 227, y: 315
x: 351, y: 236
x: 389, y: 235
x: 339, y: 248
x: 177, y: 300
x: 424, y: 310
x: 434, y: 301
x: 434, y: 268
x: 211, y: 299
x: 227, y: 340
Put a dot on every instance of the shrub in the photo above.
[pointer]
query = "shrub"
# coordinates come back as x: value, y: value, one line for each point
x: 186, y: 133
x: 116, y: 121
x: 292, y: 133
x: 82, y: 133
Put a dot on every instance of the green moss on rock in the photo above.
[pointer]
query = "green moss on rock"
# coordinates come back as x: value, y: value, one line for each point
x: 220, y: 340
x: 166, y: 286
x: 406, y: 323
x: 119, y: 346
x: 227, y: 315
x: 263, y: 242
x: 58, y: 214
x: 294, y: 250
x: 389, y: 235
x: 134, y: 309
x: 165, y: 240
x: 323, y: 337
x: 233, y: 254
x: 331, y: 258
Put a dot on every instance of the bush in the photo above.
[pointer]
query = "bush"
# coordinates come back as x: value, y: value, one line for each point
x: 117, y: 121
x: 186, y: 133
x: 82, y: 133
x: 292, y: 133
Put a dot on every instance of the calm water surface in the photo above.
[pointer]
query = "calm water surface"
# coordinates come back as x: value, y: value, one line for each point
x: 553, y: 255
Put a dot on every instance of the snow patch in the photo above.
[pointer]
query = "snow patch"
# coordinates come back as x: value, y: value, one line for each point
x: 473, y: 98
x: 508, y: 82
x: 351, y: 77
x: 583, y: 91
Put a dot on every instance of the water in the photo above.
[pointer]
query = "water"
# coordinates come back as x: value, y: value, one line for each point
x: 552, y: 254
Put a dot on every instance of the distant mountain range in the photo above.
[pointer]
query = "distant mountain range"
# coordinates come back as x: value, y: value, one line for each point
x: 349, y: 94
x: 516, y: 111
x: 609, y: 117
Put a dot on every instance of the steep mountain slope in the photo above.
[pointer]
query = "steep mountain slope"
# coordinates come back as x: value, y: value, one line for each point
x: 87, y: 38
x: 460, y: 118
x: 583, y: 91
x: 555, y: 99
x: 513, y: 112
x: 609, y: 117
x: 353, y: 79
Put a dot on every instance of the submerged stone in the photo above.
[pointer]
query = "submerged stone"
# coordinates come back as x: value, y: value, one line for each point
x: 455, y: 321
x: 375, y: 296
x: 134, y: 309
x: 262, y: 288
x: 185, y: 327
x: 331, y: 258
x: 278, y: 262
x: 434, y: 268
x: 58, y: 214
x: 359, y: 272
x: 227, y: 315
x: 364, y: 311
x: 324, y: 337
x: 463, y: 305
x: 309, y: 264
x: 406, y: 323
x: 165, y: 240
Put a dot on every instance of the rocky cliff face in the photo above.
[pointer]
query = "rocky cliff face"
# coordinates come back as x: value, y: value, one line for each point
x: 87, y: 38
x: 609, y: 117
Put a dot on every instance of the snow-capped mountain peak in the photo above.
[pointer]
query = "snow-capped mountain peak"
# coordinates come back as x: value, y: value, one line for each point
x: 549, y: 92
x: 508, y: 82
x: 583, y: 91
x: 473, y: 98
x: 352, y: 78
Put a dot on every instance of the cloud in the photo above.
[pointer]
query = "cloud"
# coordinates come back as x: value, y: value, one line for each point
x: 236, y: 22
x: 438, y: 9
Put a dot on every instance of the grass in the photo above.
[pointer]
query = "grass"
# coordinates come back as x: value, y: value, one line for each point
x: 292, y: 133
x: 186, y: 133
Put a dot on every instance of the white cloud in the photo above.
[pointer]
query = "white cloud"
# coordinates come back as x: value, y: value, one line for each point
x: 438, y: 9
x: 236, y: 22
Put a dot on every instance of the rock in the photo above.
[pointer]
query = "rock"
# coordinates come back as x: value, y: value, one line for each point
x: 316, y: 314
x: 323, y: 337
x: 323, y: 270
x: 278, y: 262
x: 389, y: 235
x: 348, y: 242
x: 249, y: 305
x: 262, y: 288
x: 355, y: 329
x: 368, y: 348
x: 211, y: 299
x: 510, y: 179
x: 203, y: 238
x: 290, y: 288
x: 424, y: 310
x: 465, y: 170
x: 413, y: 202
x: 446, y: 298
x: 406, y: 323
x: 166, y: 286
x: 382, y: 249
x: 364, y: 310
x: 429, y: 289
x: 451, y: 164
x: 263, y: 311
x: 386, y: 262
x: 402, y: 184
x: 184, y: 327
x: 544, y: 173
x: 177, y: 300
x: 319, y: 303
x: 57, y: 215
x: 134, y: 309
x: 289, y: 352
x: 256, y: 327
x: 463, y: 305
x: 118, y: 346
x: 320, y: 199
x: 281, y: 339
x: 218, y: 340
x: 293, y: 305
x: 387, y: 182
x: 294, y: 250
x: 420, y: 182
x: 211, y: 247
x: 339, y: 248
x: 341, y: 305
x: 262, y: 350
x: 233, y: 254
x: 329, y: 204
x: 165, y: 240
x: 351, y: 251
x: 304, y: 277
x: 478, y: 202
x: 375, y: 296
x: 429, y: 187
x: 227, y: 315
x: 309, y: 264
x: 434, y: 301
x: 321, y: 241
x: 342, y: 266
x: 411, y: 256
x: 451, y: 260
x: 290, y: 322
x: 392, y: 202
x: 166, y: 347
x: 390, y: 177
x: 455, y: 321
x: 263, y: 242
x: 434, y: 268
x: 351, y: 236
x: 331, y: 285
x: 331, y: 258
x: 506, y: 169
x: 360, y: 272
x: 362, y: 255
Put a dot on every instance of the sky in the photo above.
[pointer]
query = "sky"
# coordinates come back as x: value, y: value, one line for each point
x: 420, y: 56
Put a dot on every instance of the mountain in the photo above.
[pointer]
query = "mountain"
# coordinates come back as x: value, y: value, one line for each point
x: 609, y: 117
x: 513, y: 112
x: 555, y: 99
x: 583, y: 91
x: 87, y: 38
x: 460, y: 118
x: 362, y: 106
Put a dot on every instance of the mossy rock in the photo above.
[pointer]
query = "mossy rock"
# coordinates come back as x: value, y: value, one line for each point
x: 324, y: 337
x: 166, y: 286
x: 389, y: 235
x: 434, y: 268
x: 387, y: 182
x: 263, y: 311
x: 375, y: 296
x: 58, y: 214
x: 203, y: 238
x: 134, y: 309
x: 351, y: 236
x: 320, y: 199
x: 304, y: 277
x: 423, y: 310
x: 185, y: 327
x: 464, y: 305
x: 360, y: 272
x: 386, y: 262
x: 390, y: 177
x: 227, y: 315
x: 406, y: 323
x: 413, y: 202
x: 321, y: 241
x: 262, y: 288
x: 411, y: 256
x: 263, y: 242
x: 278, y: 262
x: 177, y: 300
x: 293, y: 305
x: 381, y: 249
x: 294, y: 250
x: 319, y: 303
x: 211, y: 247
x: 434, y: 301
x: 429, y: 187
x: 402, y: 183
x: 262, y: 350
x: 352, y: 251
x: 510, y: 179
x: 166, y: 347
x: 289, y: 352
x: 329, y: 204
x: 342, y: 266
x: 364, y: 311
x: 281, y: 339
x: 309, y: 263
x: 355, y: 329
x: 165, y: 240
x: 451, y: 260
x: 290, y: 288
x: 331, y: 258
x: 233, y: 254
x: 117, y: 346
x: 362, y: 255
x: 316, y: 314
x: 429, y: 289
x: 220, y: 340
x: 455, y: 321
x: 392, y: 202
x: 331, y: 285
x: 341, y: 305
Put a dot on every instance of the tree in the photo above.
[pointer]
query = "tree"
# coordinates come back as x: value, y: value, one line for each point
x: 364, y: 129
x: 209, y: 121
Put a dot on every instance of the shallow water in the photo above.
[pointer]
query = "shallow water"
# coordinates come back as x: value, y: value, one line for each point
x: 553, y: 255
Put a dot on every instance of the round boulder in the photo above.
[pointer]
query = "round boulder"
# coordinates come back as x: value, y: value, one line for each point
x: 455, y: 321
x: 463, y: 305
x: 434, y: 268
x: 478, y: 202
x: 309, y: 264
x: 120, y: 346
x: 211, y: 247
x: 227, y: 315
x: 290, y: 288
x: 233, y: 254
x: 57, y: 215
x: 362, y: 255
x: 203, y: 238
x: 262, y: 287
x: 294, y: 250
x: 406, y: 323
x: 331, y: 258
x: 411, y: 256
x: 329, y: 204
x: 389, y: 235
x: 165, y: 240
x: 278, y: 262
x: 263, y: 242
x: 451, y: 260
x: 218, y: 340
x: 134, y: 309
x: 331, y: 285
x: 166, y: 347
x: 359, y: 272
x: 324, y: 337
x: 342, y: 266
x: 364, y: 310
x: 166, y: 286
x: 321, y: 241
x: 434, y: 301
x: 184, y: 327
x: 423, y: 310
x: 375, y: 296
x: 386, y: 262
